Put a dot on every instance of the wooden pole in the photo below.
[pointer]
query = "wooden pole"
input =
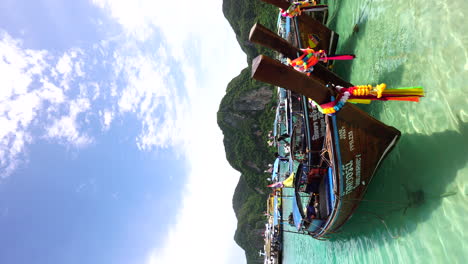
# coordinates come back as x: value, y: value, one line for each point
x: 261, y: 35
x: 267, y: 38
x: 271, y: 71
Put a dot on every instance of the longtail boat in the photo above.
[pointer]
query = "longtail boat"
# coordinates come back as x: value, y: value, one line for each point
x: 273, y: 248
x: 337, y: 154
x: 310, y: 28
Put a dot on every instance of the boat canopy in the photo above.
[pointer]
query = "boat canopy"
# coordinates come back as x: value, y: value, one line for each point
x: 282, y: 94
x: 280, y: 170
x: 275, y: 173
x: 275, y: 125
x: 279, y: 126
x: 276, y: 213
x: 296, y: 213
x: 288, y: 119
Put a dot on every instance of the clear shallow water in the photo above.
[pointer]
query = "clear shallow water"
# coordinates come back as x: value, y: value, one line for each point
x: 417, y: 204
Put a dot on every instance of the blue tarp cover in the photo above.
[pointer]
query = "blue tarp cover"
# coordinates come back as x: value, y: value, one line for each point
x: 331, y: 195
x: 274, y: 175
x: 296, y: 214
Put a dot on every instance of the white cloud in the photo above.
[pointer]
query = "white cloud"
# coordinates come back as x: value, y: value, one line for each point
x: 64, y: 65
x: 97, y: 90
x: 195, y: 32
x: 68, y: 67
x: 67, y: 128
x: 150, y: 90
x: 17, y: 66
x: 152, y: 94
x: 107, y: 117
x: 18, y: 107
x: 205, y: 222
x: 27, y: 92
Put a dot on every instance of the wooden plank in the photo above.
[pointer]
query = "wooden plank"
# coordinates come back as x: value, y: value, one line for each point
x: 283, y: 4
x: 271, y: 71
x: 261, y: 35
x: 267, y: 38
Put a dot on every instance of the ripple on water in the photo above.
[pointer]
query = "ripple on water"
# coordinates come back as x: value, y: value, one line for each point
x: 420, y: 42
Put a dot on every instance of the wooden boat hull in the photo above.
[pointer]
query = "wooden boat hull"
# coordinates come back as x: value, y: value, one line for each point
x: 308, y: 26
x: 328, y: 40
x: 360, y: 142
x: 357, y: 154
x: 267, y: 38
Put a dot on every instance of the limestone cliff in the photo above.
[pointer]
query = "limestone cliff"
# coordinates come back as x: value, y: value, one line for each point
x: 245, y: 116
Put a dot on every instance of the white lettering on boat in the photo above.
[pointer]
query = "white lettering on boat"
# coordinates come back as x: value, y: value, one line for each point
x: 316, y: 134
x: 342, y: 133
x: 318, y: 124
x: 358, y: 170
x: 348, y: 173
x: 352, y: 174
x: 351, y: 140
x: 323, y: 126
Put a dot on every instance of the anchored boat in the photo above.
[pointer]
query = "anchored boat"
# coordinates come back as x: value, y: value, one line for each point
x: 337, y: 154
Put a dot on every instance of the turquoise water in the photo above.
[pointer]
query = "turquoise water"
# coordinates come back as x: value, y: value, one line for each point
x: 416, y: 207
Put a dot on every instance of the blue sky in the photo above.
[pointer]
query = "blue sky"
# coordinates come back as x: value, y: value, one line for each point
x: 109, y: 148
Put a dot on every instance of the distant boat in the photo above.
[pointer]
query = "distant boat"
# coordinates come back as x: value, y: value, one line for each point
x: 336, y: 156
x: 273, y: 248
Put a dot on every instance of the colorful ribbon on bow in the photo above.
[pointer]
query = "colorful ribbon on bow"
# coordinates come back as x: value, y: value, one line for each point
x: 365, y: 94
x: 310, y: 57
x: 296, y: 8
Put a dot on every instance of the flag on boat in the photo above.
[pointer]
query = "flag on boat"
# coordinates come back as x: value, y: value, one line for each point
x: 276, y: 185
x: 289, y: 181
x: 286, y: 183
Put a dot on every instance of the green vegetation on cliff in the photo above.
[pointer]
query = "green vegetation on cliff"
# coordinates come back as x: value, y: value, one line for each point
x: 245, y: 116
x: 242, y: 15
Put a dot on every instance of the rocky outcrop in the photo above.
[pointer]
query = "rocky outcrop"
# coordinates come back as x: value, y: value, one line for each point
x: 234, y: 119
x: 245, y: 111
x: 255, y: 100
x: 253, y: 166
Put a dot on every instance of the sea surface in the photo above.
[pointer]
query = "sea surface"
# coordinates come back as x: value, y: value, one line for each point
x: 416, y: 207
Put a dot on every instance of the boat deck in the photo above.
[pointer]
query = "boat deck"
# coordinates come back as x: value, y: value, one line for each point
x: 323, y: 208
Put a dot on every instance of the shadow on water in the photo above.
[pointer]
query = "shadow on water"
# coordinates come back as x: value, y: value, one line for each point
x: 410, y: 186
x: 348, y: 46
x: 412, y: 182
x: 392, y: 78
x: 331, y: 23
